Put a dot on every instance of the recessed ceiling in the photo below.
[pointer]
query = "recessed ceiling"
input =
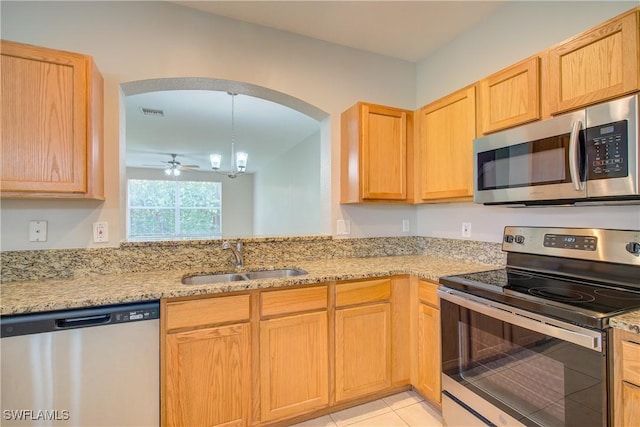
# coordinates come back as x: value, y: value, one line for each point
x: 408, y: 30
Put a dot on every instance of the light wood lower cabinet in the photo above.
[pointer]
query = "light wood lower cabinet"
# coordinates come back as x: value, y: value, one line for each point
x: 294, y: 368
x: 363, y: 350
x: 205, y: 361
x: 267, y: 357
x: 428, y: 368
x: 429, y: 352
x: 626, y: 362
x: 207, y: 380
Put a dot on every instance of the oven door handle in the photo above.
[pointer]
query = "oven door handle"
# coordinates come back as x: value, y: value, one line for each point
x: 580, y: 336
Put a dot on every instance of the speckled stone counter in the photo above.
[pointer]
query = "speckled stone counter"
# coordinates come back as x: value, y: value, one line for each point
x: 93, y: 290
x: 629, y: 322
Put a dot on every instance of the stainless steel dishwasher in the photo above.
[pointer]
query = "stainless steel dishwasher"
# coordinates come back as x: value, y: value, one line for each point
x: 83, y: 367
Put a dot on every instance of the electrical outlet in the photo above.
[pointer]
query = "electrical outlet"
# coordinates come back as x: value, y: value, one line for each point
x: 405, y: 225
x: 100, y: 232
x: 466, y: 229
x: 344, y: 227
x: 37, y: 231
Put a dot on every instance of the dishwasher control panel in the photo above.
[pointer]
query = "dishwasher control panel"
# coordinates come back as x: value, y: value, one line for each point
x: 52, y: 321
x: 135, y: 314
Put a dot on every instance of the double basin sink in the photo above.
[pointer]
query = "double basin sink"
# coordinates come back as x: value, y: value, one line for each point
x: 205, y: 279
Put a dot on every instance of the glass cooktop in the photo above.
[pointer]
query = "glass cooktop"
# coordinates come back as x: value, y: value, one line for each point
x: 571, y: 299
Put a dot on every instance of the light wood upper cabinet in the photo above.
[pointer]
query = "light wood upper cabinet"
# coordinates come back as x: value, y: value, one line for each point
x: 597, y: 65
x: 510, y: 97
x: 52, y: 118
x: 626, y: 362
x: 205, y: 366
x: 447, y: 130
x: 375, y: 139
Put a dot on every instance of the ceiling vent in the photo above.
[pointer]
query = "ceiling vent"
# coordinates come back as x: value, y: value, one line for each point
x: 151, y: 112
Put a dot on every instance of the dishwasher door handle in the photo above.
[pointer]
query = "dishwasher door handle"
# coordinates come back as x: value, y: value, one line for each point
x: 75, y: 322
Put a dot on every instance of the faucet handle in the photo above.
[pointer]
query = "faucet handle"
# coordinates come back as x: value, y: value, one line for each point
x: 226, y: 244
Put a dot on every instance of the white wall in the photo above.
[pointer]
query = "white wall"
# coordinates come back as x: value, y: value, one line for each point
x: 133, y: 41
x: 286, y: 193
x: 516, y: 31
x: 143, y: 40
x: 237, y: 212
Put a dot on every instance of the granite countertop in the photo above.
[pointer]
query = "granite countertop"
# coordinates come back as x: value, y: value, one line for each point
x: 95, y: 290
x: 629, y: 322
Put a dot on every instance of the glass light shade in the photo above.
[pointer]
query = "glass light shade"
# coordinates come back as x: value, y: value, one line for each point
x: 167, y: 171
x: 241, y: 160
x: 215, y: 160
x: 176, y: 172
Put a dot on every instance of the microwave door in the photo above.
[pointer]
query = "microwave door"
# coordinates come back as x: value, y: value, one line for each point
x: 612, y: 149
x: 531, y: 164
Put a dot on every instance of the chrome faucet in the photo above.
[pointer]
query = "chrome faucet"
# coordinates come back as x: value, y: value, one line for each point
x: 237, y: 251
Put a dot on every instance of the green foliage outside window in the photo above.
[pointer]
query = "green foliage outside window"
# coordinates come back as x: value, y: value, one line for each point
x: 174, y: 209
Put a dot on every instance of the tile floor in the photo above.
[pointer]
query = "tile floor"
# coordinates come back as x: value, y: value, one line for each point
x: 403, y: 409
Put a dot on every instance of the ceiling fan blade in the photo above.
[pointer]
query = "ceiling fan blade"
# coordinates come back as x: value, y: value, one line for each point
x: 190, y: 166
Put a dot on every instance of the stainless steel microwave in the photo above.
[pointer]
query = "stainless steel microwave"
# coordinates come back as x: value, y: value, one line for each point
x: 589, y: 156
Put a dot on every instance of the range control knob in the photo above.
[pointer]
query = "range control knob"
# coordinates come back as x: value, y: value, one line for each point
x: 633, y: 247
x: 520, y: 239
x: 508, y: 238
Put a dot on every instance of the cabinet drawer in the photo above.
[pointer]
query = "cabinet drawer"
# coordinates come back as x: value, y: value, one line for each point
x: 427, y: 293
x: 207, y: 311
x: 293, y: 301
x: 363, y: 292
x: 631, y: 362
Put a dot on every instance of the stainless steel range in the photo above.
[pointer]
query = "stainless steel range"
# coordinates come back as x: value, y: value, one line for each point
x: 529, y: 344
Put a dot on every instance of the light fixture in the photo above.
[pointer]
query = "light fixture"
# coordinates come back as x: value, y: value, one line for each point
x: 172, y: 170
x: 239, y: 159
x: 173, y: 166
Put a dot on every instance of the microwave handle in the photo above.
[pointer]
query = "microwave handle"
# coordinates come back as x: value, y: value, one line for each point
x: 574, y: 155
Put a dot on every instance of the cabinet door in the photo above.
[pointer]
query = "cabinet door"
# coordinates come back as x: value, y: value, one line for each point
x: 294, y: 370
x: 44, y: 120
x: 510, y: 97
x: 384, y: 157
x: 207, y: 377
x: 630, y: 405
x: 429, y: 371
x: 447, y: 130
x: 599, y: 64
x: 374, y: 153
x: 363, y: 350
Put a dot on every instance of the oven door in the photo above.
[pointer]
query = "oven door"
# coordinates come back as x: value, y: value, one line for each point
x: 503, y: 366
x: 537, y: 162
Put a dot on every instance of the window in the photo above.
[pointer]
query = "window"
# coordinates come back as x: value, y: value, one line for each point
x: 174, y: 209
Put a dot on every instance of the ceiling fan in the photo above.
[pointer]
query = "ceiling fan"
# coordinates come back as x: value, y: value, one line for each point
x: 174, y: 166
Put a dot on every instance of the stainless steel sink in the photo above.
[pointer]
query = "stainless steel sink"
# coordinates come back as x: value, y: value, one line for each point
x: 235, y: 277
